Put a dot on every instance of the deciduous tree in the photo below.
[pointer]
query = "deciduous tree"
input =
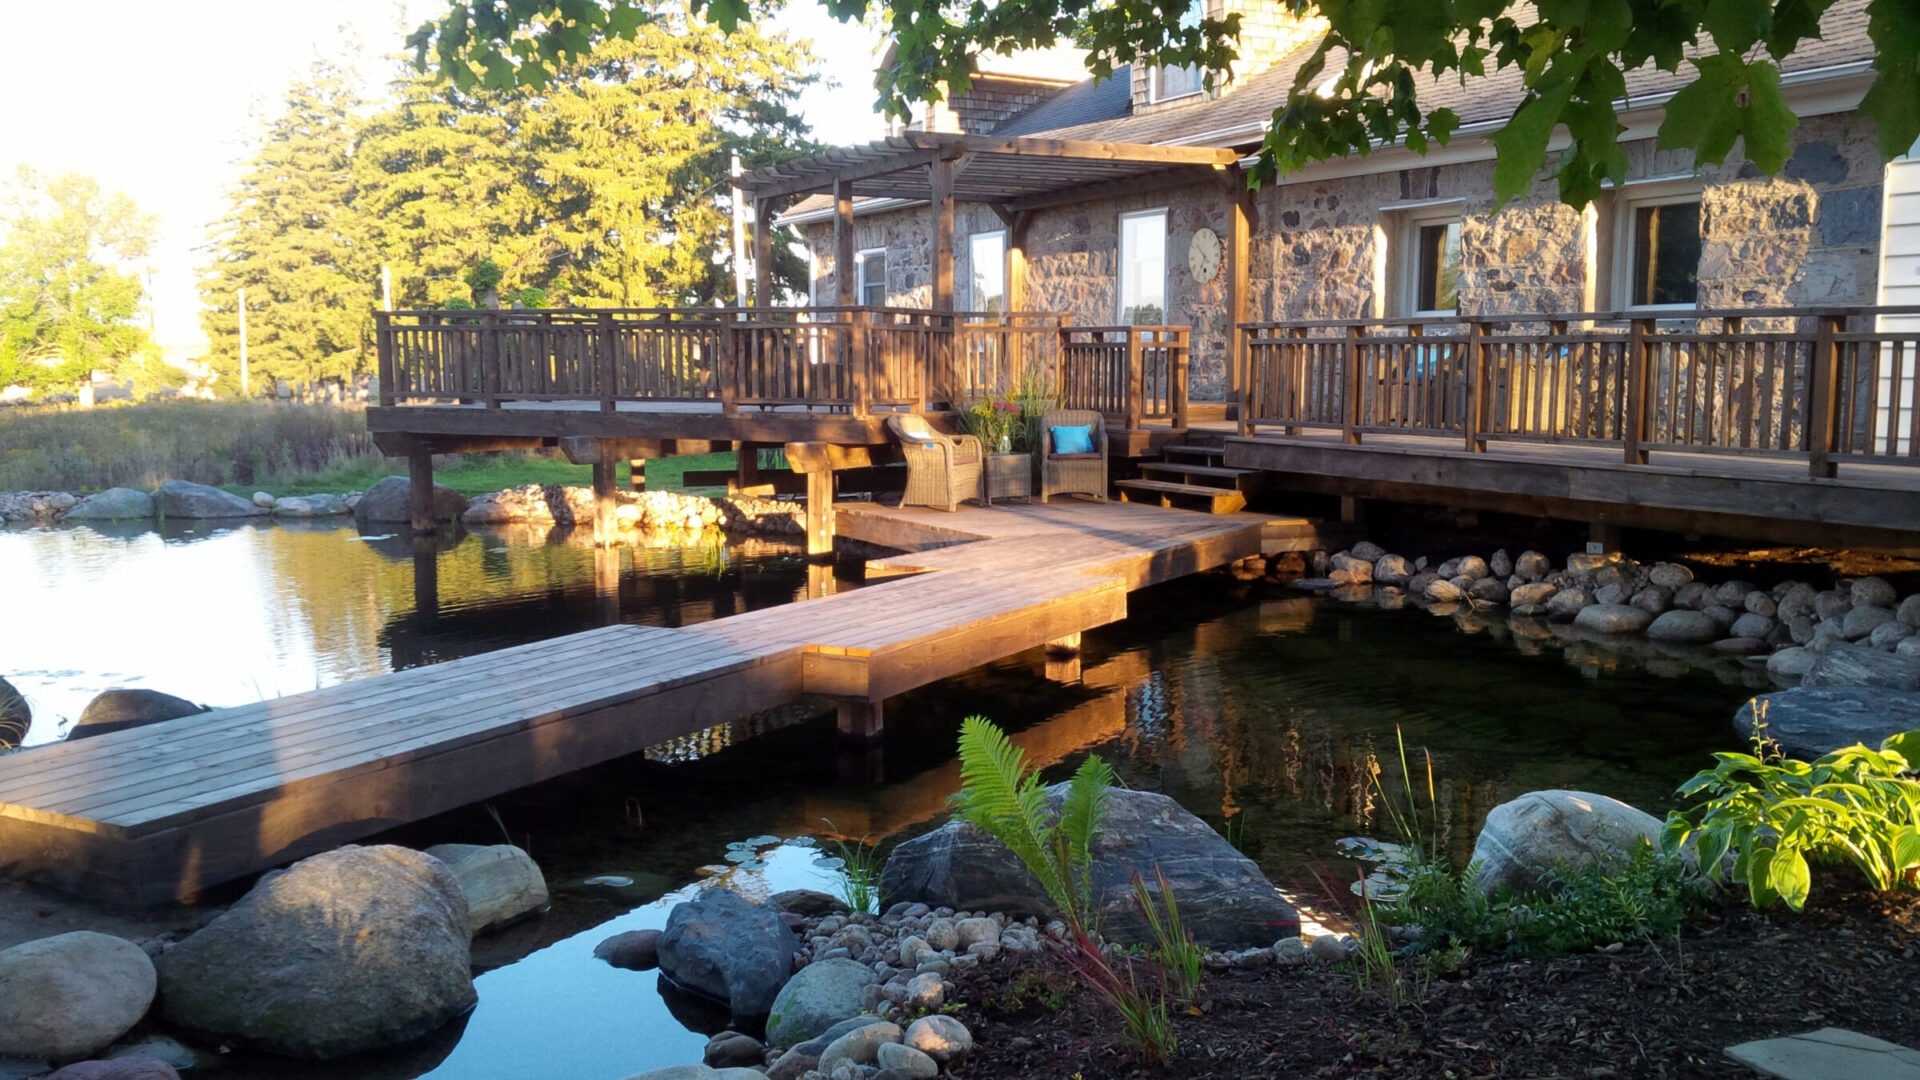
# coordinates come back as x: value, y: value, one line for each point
x: 1362, y: 87
x: 69, y: 285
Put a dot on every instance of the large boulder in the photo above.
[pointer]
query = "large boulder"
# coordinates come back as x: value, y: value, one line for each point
x: 16, y: 716
x: 181, y: 499
x: 113, y: 504
x: 1612, y: 619
x: 818, y: 996
x: 1225, y: 901
x: 1808, y: 721
x: 502, y: 884
x: 387, y: 502
x: 128, y: 1068
x: 729, y: 949
x: 348, y: 951
x: 1544, y: 830
x: 71, y: 995
x: 1697, y: 627
x: 122, y: 708
x: 1858, y: 665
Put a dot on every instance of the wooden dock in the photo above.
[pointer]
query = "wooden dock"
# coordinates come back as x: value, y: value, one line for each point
x: 161, y: 812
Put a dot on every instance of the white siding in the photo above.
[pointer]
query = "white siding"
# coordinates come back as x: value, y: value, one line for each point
x: 1899, y: 285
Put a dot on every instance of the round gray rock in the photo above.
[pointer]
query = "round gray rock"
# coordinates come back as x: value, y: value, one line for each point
x: 1669, y: 575
x: 120, y: 708
x: 860, y: 1046
x: 1791, y: 663
x: 386, y: 502
x: 730, y: 949
x: 352, y: 950
x: 1532, y: 565
x: 818, y: 996
x: 16, y: 716
x: 1857, y: 665
x: 941, y: 1038
x: 1682, y: 625
x: 1531, y: 835
x: 1751, y: 625
x: 1808, y: 721
x: 1612, y: 619
x: 71, y: 995
x: 634, y: 950
x: 1873, y: 592
x: 113, y: 504
x: 180, y: 499
x: 501, y: 883
x: 1225, y: 901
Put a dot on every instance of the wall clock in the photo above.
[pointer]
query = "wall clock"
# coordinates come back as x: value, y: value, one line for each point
x: 1203, y: 255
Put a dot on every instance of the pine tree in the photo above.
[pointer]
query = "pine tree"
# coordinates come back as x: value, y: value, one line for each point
x: 293, y: 239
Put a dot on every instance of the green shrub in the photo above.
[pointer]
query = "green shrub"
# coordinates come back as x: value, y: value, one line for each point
x: 1778, y: 816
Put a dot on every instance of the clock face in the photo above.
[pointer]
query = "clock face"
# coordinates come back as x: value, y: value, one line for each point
x: 1203, y: 255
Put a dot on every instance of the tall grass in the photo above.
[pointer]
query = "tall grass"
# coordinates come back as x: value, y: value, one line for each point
x: 208, y: 442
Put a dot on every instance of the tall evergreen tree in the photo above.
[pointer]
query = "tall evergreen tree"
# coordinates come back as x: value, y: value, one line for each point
x: 69, y: 293
x: 293, y: 240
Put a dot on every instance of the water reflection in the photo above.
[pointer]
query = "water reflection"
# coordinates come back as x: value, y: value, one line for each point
x: 227, y: 614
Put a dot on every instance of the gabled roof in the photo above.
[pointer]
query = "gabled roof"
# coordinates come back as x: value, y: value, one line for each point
x: 1085, y: 102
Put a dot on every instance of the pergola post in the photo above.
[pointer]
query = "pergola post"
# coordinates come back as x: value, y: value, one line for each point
x: 763, y: 253
x: 940, y: 181
x: 1017, y: 287
x: 844, y: 270
x: 1238, y: 297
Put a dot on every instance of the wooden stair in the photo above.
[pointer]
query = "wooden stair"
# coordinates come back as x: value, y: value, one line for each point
x: 1192, y: 476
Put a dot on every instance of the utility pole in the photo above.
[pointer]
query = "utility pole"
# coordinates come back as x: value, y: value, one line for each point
x: 739, y: 239
x: 243, y: 342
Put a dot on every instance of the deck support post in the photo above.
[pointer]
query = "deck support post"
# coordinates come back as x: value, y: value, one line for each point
x: 861, y: 722
x: 637, y: 474
x: 1065, y: 646
x: 606, y: 583
x: 817, y: 461
x: 420, y: 490
x: 1064, y: 670
x: 1603, y: 534
x: 747, y: 477
x: 1353, y: 511
x: 606, y: 530
x: 426, y: 578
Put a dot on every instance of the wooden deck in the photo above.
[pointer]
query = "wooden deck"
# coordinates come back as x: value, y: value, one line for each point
x: 1754, y: 497
x: 161, y: 812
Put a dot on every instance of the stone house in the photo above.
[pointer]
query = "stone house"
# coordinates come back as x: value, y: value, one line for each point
x: 1394, y: 234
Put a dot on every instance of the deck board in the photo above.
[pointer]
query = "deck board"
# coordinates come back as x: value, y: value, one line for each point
x: 165, y: 810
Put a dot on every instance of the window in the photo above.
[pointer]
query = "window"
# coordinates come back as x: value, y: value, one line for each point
x: 987, y: 262
x: 1665, y: 254
x: 1423, y: 257
x: 1166, y: 83
x: 1143, y: 268
x: 1437, y: 286
x: 870, y: 281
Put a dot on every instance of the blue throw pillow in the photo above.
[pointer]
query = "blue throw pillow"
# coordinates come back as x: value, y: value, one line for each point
x: 1072, y: 440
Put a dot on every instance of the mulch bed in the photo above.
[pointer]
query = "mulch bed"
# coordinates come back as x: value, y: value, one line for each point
x: 1663, y: 1009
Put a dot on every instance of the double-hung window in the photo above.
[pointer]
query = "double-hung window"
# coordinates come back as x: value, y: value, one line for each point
x: 870, y: 281
x: 1167, y: 83
x: 987, y: 266
x: 1143, y: 268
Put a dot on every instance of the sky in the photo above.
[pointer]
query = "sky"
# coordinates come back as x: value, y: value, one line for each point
x: 162, y: 100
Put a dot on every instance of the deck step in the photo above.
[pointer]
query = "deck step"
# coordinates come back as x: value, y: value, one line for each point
x: 1213, y: 500
x: 1204, y: 455
x: 1219, y: 476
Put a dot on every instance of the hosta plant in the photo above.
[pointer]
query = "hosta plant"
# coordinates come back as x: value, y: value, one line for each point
x: 1779, y: 817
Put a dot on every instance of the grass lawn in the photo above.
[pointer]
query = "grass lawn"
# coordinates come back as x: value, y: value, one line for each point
x: 477, y: 474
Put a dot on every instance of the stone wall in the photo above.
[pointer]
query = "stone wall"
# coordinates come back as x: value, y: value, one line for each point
x: 1807, y: 237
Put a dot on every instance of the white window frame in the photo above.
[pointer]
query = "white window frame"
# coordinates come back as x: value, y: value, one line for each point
x: 1405, y: 221
x: 974, y: 241
x: 1120, y: 279
x: 860, y: 281
x: 1156, y: 76
x: 1624, y: 207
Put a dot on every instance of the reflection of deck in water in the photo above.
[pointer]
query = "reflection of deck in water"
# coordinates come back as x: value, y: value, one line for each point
x: 162, y: 811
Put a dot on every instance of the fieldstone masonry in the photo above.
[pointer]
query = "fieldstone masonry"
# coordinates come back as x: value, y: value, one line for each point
x: 1321, y: 246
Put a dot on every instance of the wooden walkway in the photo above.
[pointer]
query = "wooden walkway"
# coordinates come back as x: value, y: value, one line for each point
x: 163, y: 811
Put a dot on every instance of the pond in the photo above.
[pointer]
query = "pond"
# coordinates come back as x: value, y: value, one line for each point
x: 1259, y: 709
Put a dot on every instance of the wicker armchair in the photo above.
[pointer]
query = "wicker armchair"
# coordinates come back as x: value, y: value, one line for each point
x: 1084, y: 474
x: 941, y: 469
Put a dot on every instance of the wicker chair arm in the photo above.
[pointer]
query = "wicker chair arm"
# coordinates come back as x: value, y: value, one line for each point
x: 962, y: 442
x: 941, y: 447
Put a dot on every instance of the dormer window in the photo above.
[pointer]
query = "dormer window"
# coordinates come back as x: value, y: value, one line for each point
x: 1167, y: 83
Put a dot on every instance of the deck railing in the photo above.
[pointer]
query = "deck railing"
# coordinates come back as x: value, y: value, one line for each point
x: 858, y: 359
x: 1826, y: 386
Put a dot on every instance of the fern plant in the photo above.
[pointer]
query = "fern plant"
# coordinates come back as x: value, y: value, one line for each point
x: 1001, y: 793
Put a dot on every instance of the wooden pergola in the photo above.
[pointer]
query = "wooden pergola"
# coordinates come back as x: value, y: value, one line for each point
x: 1014, y: 176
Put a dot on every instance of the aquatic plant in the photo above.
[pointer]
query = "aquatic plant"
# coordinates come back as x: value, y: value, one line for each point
x: 858, y: 864
x: 1778, y: 815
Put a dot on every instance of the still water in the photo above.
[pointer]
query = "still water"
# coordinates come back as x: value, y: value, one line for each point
x: 1258, y: 709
